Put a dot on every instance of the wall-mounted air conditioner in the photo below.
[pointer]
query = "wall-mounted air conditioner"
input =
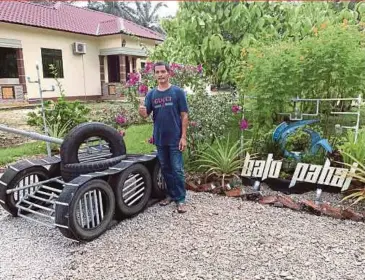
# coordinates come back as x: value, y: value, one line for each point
x: 79, y: 48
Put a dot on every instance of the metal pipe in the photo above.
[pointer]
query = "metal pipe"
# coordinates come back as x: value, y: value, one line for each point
x: 31, y: 134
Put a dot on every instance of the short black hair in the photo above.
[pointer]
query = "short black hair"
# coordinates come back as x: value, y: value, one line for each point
x: 161, y: 63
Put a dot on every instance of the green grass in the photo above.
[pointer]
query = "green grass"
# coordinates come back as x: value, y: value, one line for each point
x: 135, y: 139
x: 9, y: 155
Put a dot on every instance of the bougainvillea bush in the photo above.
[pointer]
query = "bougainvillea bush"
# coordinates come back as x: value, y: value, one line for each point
x: 209, y: 115
x: 138, y: 85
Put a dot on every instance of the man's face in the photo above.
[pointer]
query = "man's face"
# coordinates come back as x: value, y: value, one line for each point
x: 161, y: 74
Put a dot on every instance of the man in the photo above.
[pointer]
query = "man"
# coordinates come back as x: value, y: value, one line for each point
x: 170, y: 117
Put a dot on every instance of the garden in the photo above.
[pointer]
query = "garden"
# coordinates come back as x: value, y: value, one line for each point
x: 250, y: 70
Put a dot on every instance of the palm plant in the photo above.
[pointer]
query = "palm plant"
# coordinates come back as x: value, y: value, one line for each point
x: 146, y: 15
x: 119, y: 9
x: 355, y: 148
x: 222, y: 159
x: 143, y: 13
x: 359, y: 174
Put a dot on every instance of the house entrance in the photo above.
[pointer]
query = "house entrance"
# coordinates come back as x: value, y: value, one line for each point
x: 113, y: 68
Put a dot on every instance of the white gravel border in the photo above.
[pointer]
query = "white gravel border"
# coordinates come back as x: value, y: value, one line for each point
x: 219, y: 238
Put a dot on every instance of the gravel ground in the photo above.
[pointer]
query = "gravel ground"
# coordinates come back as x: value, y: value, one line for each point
x: 219, y: 238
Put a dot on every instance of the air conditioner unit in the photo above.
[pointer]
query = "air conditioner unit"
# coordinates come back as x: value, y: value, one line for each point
x: 79, y: 48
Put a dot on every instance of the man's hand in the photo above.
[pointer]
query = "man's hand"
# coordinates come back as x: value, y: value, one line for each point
x: 142, y: 110
x: 182, y: 144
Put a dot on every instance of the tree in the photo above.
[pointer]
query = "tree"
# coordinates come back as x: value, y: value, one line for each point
x: 146, y: 15
x: 215, y: 33
x: 119, y: 9
x: 142, y: 13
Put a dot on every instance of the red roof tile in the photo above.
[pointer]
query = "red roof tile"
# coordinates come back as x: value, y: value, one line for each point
x: 66, y: 17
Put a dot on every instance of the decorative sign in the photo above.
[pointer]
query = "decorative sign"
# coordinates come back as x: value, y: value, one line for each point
x: 309, y: 173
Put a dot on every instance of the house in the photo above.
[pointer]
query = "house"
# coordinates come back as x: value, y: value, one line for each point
x: 92, y: 51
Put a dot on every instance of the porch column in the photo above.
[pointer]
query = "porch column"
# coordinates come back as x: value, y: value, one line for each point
x: 21, y: 71
x: 122, y: 69
x: 102, y: 70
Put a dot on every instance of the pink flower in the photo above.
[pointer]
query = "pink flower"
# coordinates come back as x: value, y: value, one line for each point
x: 243, y: 124
x: 175, y: 66
x: 143, y: 89
x: 148, y: 67
x: 172, y: 73
x: 199, y: 68
x: 133, y: 79
x: 122, y: 133
x: 151, y: 140
x: 236, y: 109
x: 119, y: 119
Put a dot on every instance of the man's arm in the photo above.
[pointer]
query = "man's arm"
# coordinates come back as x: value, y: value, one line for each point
x: 185, y: 122
x: 183, y: 106
x: 145, y: 107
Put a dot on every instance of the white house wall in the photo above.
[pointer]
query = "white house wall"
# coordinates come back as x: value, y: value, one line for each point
x: 81, y: 73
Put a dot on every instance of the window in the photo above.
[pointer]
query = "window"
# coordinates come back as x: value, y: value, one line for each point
x: 52, y: 57
x: 8, y: 64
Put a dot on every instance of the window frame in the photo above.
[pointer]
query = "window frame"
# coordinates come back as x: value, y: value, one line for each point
x: 55, y: 57
x: 16, y: 73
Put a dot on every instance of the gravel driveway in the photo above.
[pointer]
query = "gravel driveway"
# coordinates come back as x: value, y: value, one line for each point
x: 219, y: 238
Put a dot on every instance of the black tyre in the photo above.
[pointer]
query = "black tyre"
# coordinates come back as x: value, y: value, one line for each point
x: 90, y: 211
x: 72, y: 166
x: 159, y: 188
x: 71, y: 171
x: 132, y: 189
x: 25, y: 177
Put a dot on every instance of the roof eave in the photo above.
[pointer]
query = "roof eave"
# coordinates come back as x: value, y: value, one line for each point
x: 80, y: 33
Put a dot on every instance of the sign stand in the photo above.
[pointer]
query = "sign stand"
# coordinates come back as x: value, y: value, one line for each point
x: 38, y: 81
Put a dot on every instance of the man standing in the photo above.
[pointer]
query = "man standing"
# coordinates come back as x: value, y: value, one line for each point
x: 170, y: 117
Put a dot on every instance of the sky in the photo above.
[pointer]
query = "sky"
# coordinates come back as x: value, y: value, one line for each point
x: 170, y: 11
x: 172, y: 8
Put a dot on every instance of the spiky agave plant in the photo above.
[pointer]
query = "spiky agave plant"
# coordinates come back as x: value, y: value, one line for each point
x: 222, y: 159
x: 359, y: 174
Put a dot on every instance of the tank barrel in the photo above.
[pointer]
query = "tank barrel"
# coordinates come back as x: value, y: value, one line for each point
x: 30, y: 134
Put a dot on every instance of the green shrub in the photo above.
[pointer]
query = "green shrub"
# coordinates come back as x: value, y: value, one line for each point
x: 62, y: 113
x: 209, y: 118
x: 354, y: 149
x: 110, y: 114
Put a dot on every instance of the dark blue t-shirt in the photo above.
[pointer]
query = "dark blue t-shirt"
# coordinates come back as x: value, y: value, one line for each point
x: 166, y: 107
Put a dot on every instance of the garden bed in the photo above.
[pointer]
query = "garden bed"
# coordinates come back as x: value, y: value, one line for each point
x: 275, y: 192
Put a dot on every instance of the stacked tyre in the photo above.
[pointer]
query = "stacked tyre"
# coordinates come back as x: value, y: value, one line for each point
x: 71, y: 164
x: 93, y: 205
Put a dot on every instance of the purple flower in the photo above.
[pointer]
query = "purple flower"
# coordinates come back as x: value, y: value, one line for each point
x: 243, y: 124
x: 151, y: 140
x: 120, y: 119
x: 143, y: 89
x: 236, y: 109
